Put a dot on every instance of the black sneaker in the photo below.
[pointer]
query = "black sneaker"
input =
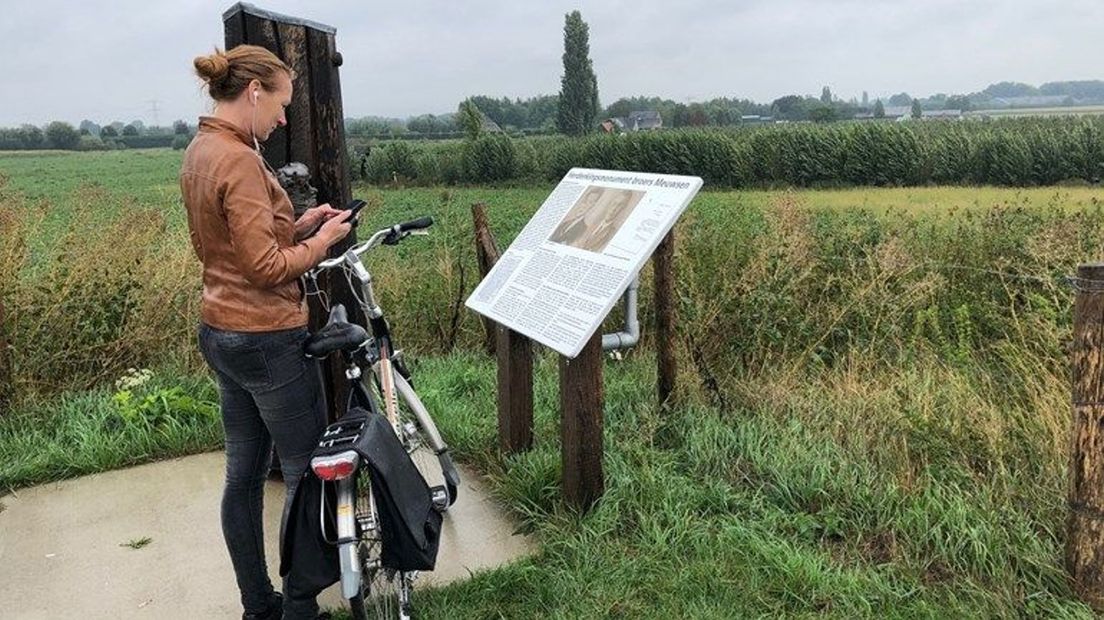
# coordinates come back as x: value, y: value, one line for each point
x: 275, y: 609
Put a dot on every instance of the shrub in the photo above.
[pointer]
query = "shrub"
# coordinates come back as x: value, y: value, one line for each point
x: 489, y: 158
x: 62, y: 135
x: 91, y: 143
x: 181, y: 141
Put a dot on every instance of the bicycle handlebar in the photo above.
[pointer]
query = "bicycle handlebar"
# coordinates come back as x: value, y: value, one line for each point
x: 418, y: 224
x: 388, y: 236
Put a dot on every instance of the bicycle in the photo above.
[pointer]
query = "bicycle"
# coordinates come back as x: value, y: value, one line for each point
x: 369, y: 580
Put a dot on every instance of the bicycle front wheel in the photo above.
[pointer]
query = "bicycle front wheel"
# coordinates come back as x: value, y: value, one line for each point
x: 419, y: 435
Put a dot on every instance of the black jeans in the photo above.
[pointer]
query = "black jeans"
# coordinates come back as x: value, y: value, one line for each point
x: 270, y: 392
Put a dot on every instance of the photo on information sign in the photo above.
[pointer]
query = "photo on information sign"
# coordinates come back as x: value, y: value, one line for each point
x: 595, y: 218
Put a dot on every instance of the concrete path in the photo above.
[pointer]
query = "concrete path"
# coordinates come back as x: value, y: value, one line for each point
x: 63, y: 553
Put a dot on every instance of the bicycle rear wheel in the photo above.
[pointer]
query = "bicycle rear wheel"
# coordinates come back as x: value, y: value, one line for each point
x: 384, y: 593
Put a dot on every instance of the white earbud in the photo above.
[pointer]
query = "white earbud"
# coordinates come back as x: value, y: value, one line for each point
x: 254, y: 97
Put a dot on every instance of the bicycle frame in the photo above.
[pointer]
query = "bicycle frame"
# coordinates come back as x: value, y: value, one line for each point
x: 380, y: 359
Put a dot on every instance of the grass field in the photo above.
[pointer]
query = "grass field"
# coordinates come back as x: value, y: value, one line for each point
x: 147, y: 178
x: 874, y: 400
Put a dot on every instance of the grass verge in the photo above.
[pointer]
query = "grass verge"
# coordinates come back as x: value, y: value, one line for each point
x: 77, y: 433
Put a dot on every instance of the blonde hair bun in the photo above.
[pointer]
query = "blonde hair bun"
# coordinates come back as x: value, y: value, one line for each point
x: 212, y: 68
x: 228, y: 73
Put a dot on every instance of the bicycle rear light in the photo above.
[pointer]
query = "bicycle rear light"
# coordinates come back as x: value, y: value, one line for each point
x: 335, y: 467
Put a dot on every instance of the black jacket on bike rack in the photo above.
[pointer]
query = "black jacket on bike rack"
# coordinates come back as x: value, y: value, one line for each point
x: 303, y: 549
x: 410, y: 523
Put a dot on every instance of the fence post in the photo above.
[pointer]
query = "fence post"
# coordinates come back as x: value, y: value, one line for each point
x: 582, y: 398
x: 513, y: 352
x: 486, y: 253
x: 515, y: 391
x: 1085, y: 523
x: 314, y: 135
x: 663, y: 263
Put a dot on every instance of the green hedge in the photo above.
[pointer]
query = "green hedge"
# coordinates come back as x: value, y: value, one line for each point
x: 145, y: 142
x: 1011, y: 152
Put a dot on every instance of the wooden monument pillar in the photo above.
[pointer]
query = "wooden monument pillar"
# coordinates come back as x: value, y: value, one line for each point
x: 314, y: 136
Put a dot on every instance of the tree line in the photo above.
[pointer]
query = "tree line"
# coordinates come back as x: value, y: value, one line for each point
x: 90, y: 136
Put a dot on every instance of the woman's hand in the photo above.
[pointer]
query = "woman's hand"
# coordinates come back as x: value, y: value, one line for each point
x: 311, y: 218
x: 334, y: 229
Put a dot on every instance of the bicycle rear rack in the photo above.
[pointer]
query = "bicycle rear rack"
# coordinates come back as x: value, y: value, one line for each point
x: 341, y: 435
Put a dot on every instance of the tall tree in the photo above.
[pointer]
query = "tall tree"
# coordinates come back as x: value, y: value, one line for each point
x: 865, y: 99
x: 916, y: 110
x: 879, y: 109
x: 900, y: 100
x: 61, y: 135
x: 790, y: 108
x: 826, y: 96
x: 92, y: 128
x: 470, y: 119
x: 578, y: 105
x: 958, y: 102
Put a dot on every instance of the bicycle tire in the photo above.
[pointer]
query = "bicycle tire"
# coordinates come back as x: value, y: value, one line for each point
x: 381, y: 596
x: 385, y: 593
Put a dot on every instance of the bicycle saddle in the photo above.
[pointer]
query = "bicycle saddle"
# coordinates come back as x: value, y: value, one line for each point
x: 337, y: 334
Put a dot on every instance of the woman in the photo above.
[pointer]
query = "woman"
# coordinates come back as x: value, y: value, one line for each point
x: 253, y: 315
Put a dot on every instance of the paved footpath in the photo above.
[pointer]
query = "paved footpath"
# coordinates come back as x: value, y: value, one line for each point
x: 63, y: 553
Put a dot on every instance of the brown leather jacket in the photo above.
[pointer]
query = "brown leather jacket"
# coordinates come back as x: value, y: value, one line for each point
x: 243, y: 229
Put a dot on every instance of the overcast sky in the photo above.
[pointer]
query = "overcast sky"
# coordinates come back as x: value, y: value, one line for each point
x: 109, y: 61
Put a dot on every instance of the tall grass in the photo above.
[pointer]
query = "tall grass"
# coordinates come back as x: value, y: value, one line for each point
x: 803, y: 285
x: 114, y: 292
x: 81, y: 432
x: 866, y: 490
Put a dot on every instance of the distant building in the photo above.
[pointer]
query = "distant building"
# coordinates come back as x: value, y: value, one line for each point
x: 895, y: 112
x: 489, y: 126
x: 614, y: 125
x: 755, y: 118
x: 644, y: 120
x: 636, y: 121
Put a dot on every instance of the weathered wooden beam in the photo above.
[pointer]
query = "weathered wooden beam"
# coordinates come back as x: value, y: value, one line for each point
x: 514, y: 354
x: 486, y: 254
x: 515, y: 391
x: 663, y: 265
x: 314, y: 135
x: 582, y: 398
x: 1085, y: 522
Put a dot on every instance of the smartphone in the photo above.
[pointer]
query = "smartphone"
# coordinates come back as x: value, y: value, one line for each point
x: 353, y: 208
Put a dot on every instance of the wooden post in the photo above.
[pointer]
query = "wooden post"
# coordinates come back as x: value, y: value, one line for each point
x: 515, y: 391
x: 581, y: 401
x: 486, y: 253
x: 1085, y: 523
x: 514, y: 354
x: 314, y: 135
x: 663, y: 263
